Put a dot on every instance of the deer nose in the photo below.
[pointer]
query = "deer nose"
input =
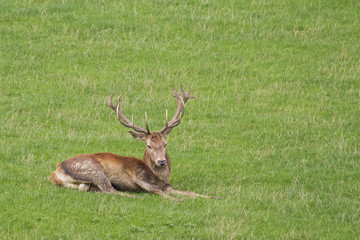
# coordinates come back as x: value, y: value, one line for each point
x: 161, y: 162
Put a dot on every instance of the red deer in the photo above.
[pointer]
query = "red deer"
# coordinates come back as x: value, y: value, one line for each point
x: 111, y: 173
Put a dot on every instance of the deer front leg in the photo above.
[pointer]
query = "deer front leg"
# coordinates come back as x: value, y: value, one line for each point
x: 187, y: 193
x: 153, y: 189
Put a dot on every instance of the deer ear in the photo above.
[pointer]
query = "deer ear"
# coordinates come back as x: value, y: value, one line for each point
x: 138, y: 136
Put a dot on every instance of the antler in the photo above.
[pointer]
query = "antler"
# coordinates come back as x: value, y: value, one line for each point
x: 124, y: 120
x: 180, y: 110
x: 186, y: 95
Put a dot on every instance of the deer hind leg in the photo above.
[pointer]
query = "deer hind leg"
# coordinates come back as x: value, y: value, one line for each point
x: 85, y: 175
x: 84, y: 187
x: 187, y: 193
x: 153, y: 189
x: 61, y: 179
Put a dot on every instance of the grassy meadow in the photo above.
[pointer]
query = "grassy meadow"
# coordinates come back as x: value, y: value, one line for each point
x: 274, y: 132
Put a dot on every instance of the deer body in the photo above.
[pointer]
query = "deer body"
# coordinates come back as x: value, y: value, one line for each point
x: 107, y: 172
x: 111, y: 173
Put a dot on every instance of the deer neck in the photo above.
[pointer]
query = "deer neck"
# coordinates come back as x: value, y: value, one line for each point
x: 163, y: 173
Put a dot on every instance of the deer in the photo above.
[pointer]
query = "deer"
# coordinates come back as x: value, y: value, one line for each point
x: 115, y: 174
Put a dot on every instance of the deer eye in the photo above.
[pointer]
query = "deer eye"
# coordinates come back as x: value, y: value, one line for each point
x: 165, y: 144
x: 149, y: 146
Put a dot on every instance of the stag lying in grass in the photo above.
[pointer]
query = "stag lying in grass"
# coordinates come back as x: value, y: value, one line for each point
x: 110, y: 173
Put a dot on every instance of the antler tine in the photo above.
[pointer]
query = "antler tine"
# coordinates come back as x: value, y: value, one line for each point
x: 166, y: 117
x: 180, y: 110
x: 124, y: 120
x: 186, y: 95
x: 146, y: 122
x: 110, y: 102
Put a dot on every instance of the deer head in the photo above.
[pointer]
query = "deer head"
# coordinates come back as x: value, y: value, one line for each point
x: 155, y: 141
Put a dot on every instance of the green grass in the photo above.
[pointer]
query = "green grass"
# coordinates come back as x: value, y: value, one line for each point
x: 274, y: 131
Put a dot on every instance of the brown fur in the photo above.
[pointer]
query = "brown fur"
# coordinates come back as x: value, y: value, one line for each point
x: 111, y: 173
x: 55, y: 180
x: 163, y: 173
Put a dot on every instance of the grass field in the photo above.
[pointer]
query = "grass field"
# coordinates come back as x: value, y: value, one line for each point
x: 274, y: 131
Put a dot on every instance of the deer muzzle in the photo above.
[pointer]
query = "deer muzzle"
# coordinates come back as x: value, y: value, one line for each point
x: 161, y: 163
